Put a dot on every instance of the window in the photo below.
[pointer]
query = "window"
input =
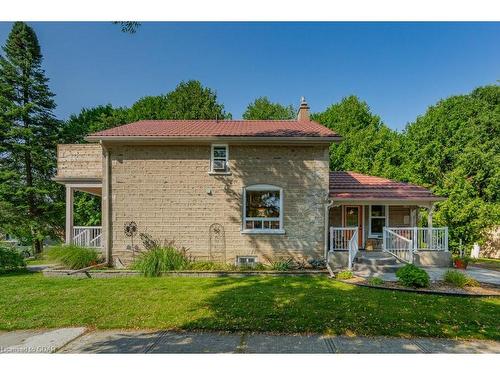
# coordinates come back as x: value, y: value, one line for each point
x: 219, y: 158
x: 378, y: 218
x: 263, y: 209
x: 246, y: 261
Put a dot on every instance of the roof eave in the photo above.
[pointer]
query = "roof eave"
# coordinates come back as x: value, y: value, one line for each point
x: 386, y: 199
x: 204, y: 139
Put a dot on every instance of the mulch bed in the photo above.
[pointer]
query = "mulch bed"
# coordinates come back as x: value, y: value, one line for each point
x: 436, y: 287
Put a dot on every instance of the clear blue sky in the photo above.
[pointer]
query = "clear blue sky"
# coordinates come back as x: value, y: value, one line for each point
x: 398, y: 68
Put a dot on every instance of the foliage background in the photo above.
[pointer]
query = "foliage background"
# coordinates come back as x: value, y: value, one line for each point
x: 453, y: 148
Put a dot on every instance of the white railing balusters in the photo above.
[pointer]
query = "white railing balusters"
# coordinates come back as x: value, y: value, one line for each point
x: 398, y: 245
x: 345, y: 239
x: 340, y: 237
x: 87, y: 236
x: 353, y: 249
x: 424, y: 238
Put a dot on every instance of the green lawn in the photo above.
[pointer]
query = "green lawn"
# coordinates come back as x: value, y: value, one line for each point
x: 277, y: 304
x: 487, y: 263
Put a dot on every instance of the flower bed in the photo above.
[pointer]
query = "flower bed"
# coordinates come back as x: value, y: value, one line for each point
x: 435, y: 287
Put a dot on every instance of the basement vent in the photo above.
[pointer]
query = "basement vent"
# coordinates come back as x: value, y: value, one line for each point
x: 246, y: 260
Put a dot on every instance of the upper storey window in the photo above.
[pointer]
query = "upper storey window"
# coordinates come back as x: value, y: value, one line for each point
x: 219, y: 159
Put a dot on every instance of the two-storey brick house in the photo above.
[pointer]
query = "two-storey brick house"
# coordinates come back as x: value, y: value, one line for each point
x: 236, y: 191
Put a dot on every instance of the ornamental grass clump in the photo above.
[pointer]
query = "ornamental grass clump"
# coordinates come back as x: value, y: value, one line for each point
x: 281, y: 264
x: 10, y: 259
x: 459, y: 279
x: 74, y: 257
x: 412, y: 276
x: 161, y: 259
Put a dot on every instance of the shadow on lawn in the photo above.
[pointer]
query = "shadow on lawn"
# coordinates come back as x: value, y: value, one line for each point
x: 320, y: 305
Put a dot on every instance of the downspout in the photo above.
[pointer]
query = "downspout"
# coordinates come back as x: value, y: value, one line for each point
x: 327, y: 220
x: 106, y: 217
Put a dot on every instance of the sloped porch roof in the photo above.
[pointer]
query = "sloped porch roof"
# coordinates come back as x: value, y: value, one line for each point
x: 353, y: 186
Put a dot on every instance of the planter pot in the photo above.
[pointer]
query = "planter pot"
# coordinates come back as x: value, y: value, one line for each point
x: 460, y: 264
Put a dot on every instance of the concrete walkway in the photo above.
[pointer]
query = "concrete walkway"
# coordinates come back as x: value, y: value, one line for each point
x: 75, y: 340
x: 437, y: 273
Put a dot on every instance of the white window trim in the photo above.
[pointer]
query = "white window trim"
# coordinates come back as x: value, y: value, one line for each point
x: 211, y: 171
x: 262, y: 187
x: 386, y: 217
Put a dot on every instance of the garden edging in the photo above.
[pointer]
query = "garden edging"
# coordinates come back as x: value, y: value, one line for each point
x: 103, y: 274
x: 420, y: 291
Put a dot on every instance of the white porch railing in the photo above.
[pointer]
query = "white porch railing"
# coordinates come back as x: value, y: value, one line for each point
x: 340, y: 237
x: 353, y: 248
x: 87, y: 236
x: 424, y: 238
x: 399, y: 246
x: 345, y: 239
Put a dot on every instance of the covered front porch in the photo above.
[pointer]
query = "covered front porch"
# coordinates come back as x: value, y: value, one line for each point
x: 86, y: 236
x: 376, y: 214
x: 79, y: 168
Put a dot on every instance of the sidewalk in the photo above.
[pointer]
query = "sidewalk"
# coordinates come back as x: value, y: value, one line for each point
x: 75, y: 340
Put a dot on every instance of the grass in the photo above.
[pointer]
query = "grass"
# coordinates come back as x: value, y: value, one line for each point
x: 41, y: 258
x: 265, y: 304
x: 490, y: 263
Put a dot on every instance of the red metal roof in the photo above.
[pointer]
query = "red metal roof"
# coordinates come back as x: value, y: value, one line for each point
x: 213, y: 128
x: 357, y: 186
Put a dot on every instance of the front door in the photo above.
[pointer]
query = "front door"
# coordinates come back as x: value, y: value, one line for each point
x: 353, y: 218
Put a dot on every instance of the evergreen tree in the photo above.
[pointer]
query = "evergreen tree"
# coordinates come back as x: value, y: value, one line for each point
x: 28, y: 137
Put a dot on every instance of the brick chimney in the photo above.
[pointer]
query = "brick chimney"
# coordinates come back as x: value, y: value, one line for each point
x: 303, y: 114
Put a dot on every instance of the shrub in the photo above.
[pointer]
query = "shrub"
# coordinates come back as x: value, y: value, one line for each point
x: 412, y: 276
x: 281, y: 264
x: 317, y: 263
x: 74, y: 257
x: 160, y: 259
x: 344, y: 275
x: 10, y: 259
x: 252, y: 267
x: 374, y: 281
x: 459, y: 279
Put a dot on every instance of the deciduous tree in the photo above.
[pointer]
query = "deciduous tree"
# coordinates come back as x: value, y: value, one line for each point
x: 263, y: 109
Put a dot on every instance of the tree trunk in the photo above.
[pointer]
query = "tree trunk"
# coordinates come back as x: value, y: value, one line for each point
x: 38, y: 246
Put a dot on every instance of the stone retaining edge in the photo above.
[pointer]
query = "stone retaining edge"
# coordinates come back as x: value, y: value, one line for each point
x: 132, y: 273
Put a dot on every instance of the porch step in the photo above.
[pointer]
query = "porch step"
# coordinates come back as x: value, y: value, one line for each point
x: 376, y: 262
x: 374, y: 268
x: 376, y: 259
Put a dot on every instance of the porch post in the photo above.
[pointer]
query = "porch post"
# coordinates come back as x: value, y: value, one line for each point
x: 69, y: 214
x: 429, y: 227
x: 328, y: 205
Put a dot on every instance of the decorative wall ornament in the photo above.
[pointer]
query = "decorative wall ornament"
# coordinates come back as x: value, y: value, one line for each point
x: 217, y: 243
x: 130, y: 229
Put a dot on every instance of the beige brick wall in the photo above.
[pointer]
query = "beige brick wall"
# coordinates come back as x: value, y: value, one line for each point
x: 79, y: 160
x: 164, y: 190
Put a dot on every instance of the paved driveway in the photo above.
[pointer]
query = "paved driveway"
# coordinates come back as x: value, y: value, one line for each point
x: 437, y: 273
